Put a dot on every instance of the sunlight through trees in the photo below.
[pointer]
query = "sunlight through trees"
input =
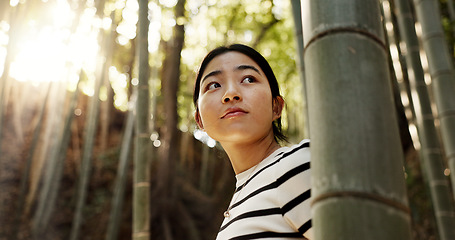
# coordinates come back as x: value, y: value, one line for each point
x: 80, y: 79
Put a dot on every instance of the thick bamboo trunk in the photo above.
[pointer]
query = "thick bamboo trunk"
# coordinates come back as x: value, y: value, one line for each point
x: 442, y: 74
x: 141, y: 178
x: 431, y: 156
x: 357, y: 162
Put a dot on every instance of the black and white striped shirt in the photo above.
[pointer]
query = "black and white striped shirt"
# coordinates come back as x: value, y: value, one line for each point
x: 275, y: 203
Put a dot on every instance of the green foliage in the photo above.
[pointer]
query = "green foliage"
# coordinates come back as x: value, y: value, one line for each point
x: 448, y: 25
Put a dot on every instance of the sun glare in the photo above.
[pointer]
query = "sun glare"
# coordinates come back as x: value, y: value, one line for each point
x: 13, y: 3
x: 119, y: 82
x: 40, y: 60
x: 127, y: 27
x: 55, y: 52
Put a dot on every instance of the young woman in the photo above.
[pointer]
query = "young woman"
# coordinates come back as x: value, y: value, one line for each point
x: 238, y: 103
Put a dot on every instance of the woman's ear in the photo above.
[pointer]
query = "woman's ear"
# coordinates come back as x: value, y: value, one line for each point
x: 198, y: 120
x: 277, y: 106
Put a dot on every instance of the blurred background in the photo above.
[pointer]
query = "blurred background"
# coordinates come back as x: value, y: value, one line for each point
x: 71, y: 97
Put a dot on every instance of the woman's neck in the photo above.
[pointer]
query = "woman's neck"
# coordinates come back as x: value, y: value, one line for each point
x: 245, y: 156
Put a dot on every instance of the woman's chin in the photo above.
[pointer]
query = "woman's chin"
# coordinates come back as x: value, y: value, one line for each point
x: 240, y: 137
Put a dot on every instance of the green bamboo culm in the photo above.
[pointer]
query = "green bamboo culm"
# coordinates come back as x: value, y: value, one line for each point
x: 54, y: 169
x: 28, y: 165
x: 87, y: 160
x: 431, y: 156
x: 442, y: 73
x: 358, y: 186
x: 297, y: 14
x: 122, y: 174
x: 141, y: 178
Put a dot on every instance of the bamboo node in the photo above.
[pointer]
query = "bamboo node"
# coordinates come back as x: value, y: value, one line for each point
x: 436, y: 151
x: 142, y: 184
x: 432, y: 35
x: 444, y: 214
x: 363, y: 195
x: 450, y: 156
x: 363, y: 32
x: 435, y: 75
x: 143, y: 87
x: 141, y: 234
x: 439, y: 182
x: 428, y: 116
x: 447, y: 113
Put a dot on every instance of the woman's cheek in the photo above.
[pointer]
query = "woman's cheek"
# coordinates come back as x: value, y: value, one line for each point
x: 207, y: 115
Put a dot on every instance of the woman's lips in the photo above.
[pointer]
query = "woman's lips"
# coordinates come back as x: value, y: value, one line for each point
x: 233, y: 112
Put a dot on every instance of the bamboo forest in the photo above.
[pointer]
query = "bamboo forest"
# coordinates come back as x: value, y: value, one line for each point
x: 98, y: 138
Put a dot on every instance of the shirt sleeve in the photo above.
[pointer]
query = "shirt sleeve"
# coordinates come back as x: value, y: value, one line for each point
x: 294, y: 188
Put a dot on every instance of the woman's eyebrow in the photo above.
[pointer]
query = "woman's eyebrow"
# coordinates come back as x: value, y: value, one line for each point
x: 214, y: 73
x: 243, y: 67
x: 240, y: 67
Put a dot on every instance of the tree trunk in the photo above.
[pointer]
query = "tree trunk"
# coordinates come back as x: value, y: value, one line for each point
x: 87, y: 158
x: 121, y: 178
x: 353, y: 124
x: 451, y: 17
x: 13, y: 33
x: 28, y: 163
x: 141, y: 178
x: 48, y: 141
x: 107, y: 106
x: 204, y: 175
x: 442, y: 74
x: 170, y: 82
x: 431, y: 156
x: 297, y: 14
x: 54, y: 171
x: 451, y: 14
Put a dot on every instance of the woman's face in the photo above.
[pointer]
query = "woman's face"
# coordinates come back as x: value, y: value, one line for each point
x: 235, y: 101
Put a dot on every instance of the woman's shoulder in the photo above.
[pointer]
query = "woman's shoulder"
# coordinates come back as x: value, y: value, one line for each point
x: 305, y: 143
x: 299, y: 150
x: 292, y: 156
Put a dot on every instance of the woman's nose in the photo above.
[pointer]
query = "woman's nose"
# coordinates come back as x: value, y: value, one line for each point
x: 231, y: 94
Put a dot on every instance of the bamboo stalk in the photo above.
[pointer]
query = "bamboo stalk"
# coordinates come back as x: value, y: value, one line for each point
x: 86, y: 166
x: 431, y: 155
x: 53, y: 176
x: 204, y: 179
x: 121, y: 178
x: 297, y: 14
x: 442, y: 74
x: 10, y: 50
x: 357, y: 162
x: 141, y: 179
x: 28, y: 164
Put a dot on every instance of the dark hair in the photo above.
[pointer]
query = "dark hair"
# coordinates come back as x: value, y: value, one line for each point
x: 263, y: 64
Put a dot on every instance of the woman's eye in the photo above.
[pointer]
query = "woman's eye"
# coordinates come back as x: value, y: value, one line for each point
x: 248, y: 80
x: 213, y: 85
